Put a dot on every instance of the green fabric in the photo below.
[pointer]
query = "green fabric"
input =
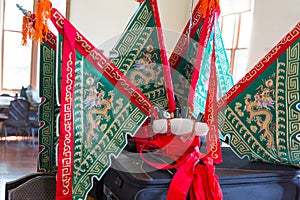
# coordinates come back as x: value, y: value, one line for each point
x: 59, y: 65
x: 224, y: 78
x: 182, y: 73
x: 138, y: 56
x: 262, y: 120
x: 103, y: 117
x: 181, y: 77
x: 105, y: 108
x: 48, y: 110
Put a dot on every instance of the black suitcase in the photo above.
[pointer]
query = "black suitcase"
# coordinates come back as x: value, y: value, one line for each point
x: 129, y: 178
x: 250, y: 180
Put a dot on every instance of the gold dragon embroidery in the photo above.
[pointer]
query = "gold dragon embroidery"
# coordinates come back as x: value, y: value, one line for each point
x: 97, y: 107
x: 258, y: 109
x: 101, y: 112
x: 145, y: 71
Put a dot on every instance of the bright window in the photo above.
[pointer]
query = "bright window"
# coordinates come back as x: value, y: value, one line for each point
x: 16, y: 59
x: 16, y: 62
x: 19, y: 63
x: 236, y: 29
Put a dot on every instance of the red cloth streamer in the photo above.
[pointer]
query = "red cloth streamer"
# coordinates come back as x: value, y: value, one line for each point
x: 211, y: 114
x: 164, y: 58
x: 197, y: 177
x: 170, y: 146
x: 202, y: 44
x: 205, y: 185
x: 66, y: 136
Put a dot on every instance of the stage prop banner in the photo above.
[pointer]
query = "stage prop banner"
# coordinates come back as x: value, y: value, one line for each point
x: 35, y: 27
x: 99, y: 107
x: 261, y: 113
x: 49, y: 108
x: 141, y: 56
x: 183, y: 59
x: 224, y: 78
x: 201, y: 70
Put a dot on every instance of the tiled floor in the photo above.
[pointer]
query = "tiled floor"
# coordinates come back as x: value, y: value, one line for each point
x: 16, y: 160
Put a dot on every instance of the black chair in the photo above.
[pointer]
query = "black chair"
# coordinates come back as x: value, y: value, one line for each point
x: 36, y: 186
x: 34, y: 124
x: 17, y: 118
x: 5, y: 100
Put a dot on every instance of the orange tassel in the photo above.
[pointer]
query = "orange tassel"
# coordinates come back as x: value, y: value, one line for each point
x: 208, y: 4
x: 214, y: 5
x: 30, y: 29
x: 41, y: 22
x: 203, y: 7
x: 25, y: 30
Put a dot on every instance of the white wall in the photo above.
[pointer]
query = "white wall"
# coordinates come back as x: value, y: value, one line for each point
x: 234, y: 6
x: 272, y: 20
x: 101, y: 21
x: 1, y: 19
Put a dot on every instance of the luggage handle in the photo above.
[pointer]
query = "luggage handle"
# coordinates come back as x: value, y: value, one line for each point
x: 134, y: 166
x: 108, y: 194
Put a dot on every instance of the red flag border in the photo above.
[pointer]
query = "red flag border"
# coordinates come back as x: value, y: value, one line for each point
x: 107, y: 68
x: 260, y: 67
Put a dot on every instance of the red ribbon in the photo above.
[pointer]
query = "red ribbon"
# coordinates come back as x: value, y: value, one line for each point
x: 164, y: 58
x: 170, y: 146
x: 211, y: 114
x: 197, y: 177
x: 66, y: 136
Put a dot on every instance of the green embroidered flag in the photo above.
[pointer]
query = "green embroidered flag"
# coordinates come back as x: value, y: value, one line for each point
x: 224, y: 78
x: 141, y: 56
x: 49, y: 109
x: 99, y: 107
x: 261, y: 113
x: 201, y: 70
x: 183, y: 60
x: 183, y: 57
